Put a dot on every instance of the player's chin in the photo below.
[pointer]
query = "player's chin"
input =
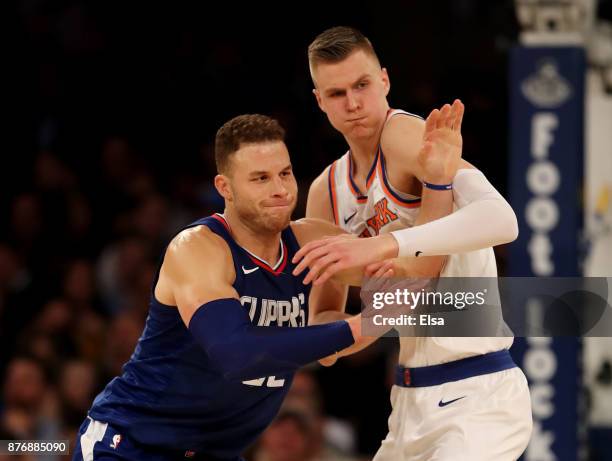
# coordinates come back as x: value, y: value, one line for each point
x: 360, y: 131
x: 278, y: 218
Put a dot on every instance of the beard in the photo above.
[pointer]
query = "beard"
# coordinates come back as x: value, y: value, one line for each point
x: 262, y: 220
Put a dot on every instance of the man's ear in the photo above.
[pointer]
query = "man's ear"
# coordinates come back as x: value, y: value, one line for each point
x: 317, y: 96
x: 386, y: 82
x: 223, y: 187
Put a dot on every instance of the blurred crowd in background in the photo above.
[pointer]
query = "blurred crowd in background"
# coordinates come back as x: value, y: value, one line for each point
x: 113, y: 107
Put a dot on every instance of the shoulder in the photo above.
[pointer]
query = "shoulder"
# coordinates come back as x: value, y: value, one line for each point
x: 197, y: 269
x: 193, y: 245
x: 320, y: 186
x: 402, y: 133
x: 318, y: 204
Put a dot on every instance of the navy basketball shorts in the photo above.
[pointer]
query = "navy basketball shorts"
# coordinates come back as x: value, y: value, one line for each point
x: 98, y: 441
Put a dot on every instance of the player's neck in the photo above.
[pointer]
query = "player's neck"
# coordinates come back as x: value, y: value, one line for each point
x: 264, y: 245
x: 363, y: 152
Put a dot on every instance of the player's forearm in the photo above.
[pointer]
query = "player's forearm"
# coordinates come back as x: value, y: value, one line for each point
x: 361, y: 342
x: 351, y: 277
x: 242, y: 351
x: 484, y: 219
x: 327, y: 316
x: 435, y: 204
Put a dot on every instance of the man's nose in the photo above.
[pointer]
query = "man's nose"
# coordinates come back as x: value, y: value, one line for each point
x: 352, y: 103
x: 280, y: 189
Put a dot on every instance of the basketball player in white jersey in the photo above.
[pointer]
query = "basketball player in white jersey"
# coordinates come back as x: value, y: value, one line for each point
x: 454, y: 398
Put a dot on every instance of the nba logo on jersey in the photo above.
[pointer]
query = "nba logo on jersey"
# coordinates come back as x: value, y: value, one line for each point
x: 116, y: 441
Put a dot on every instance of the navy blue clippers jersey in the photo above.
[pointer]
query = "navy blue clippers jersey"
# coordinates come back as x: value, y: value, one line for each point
x: 170, y: 394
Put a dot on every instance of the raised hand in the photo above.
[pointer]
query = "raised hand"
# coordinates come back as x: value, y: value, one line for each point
x: 440, y: 154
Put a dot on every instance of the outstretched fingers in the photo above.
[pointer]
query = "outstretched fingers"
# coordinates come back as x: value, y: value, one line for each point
x: 328, y: 273
x: 459, y: 110
x: 431, y: 122
x: 444, y: 115
x: 310, y: 253
x: 319, y: 265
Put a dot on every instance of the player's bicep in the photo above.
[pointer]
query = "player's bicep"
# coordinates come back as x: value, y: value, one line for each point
x: 307, y: 230
x: 310, y: 233
x: 401, y: 141
x: 198, y: 268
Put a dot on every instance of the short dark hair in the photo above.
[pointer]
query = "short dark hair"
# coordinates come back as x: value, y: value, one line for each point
x: 335, y: 44
x: 244, y: 129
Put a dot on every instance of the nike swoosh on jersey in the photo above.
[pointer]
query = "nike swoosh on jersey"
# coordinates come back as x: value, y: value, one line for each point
x: 346, y: 220
x: 443, y: 404
x: 248, y: 271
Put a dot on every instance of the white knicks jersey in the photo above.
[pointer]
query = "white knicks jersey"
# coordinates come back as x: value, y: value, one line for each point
x: 381, y: 209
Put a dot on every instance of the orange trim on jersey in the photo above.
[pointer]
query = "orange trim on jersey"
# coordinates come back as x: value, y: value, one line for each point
x: 406, y: 203
x: 331, y: 183
x: 359, y: 196
x: 372, y: 175
x: 352, y: 186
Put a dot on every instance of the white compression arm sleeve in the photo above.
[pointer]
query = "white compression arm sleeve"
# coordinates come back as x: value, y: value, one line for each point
x: 483, y: 219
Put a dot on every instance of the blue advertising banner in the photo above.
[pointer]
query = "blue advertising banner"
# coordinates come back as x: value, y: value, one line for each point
x: 546, y: 155
x: 546, y: 173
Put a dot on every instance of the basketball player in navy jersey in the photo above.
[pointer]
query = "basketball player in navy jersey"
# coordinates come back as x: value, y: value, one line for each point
x: 221, y: 342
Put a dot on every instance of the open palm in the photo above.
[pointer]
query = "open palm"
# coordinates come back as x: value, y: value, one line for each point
x: 440, y: 154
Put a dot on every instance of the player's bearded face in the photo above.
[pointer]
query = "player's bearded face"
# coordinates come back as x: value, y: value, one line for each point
x: 263, y: 186
x: 353, y: 94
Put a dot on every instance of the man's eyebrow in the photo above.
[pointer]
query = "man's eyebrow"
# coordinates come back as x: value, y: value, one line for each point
x: 260, y: 172
x: 333, y: 90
